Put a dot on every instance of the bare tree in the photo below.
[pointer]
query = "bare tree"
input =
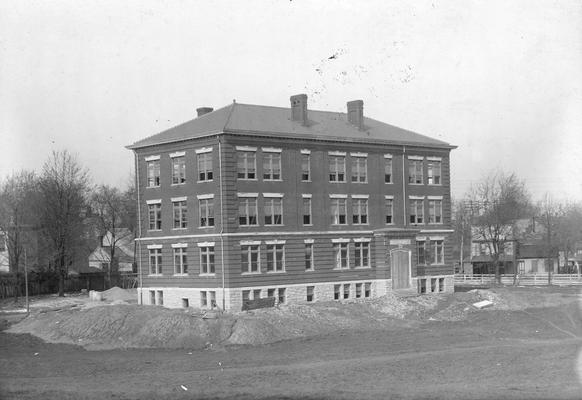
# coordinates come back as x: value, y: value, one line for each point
x: 497, y: 202
x: 64, y: 187
x: 109, y: 208
x: 550, y: 216
x: 17, y: 216
x: 462, y: 226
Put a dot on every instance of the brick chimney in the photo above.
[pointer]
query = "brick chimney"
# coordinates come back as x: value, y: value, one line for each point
x: 356, y: 113
x: 299, y: 108
x: 204, y: 110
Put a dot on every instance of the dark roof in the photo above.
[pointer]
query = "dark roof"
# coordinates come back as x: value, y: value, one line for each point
x: 533, y: 251
x: 487, y: 258
x: 276, y: 121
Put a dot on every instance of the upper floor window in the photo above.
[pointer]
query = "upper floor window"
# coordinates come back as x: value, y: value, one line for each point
x: 273, y: 211
x: 153, y: 169
x: 359, y: 211
x: 155, y: 260
x: 421, y: 252
x: 180, y: 213
x: 389, y: 207
x: 247, y: 211
x: 155, y: 216
x: 271, y: 165
x: 206, y: 210
x: 180, y: 261
x: 434, y: 172
x: 305, y: 165
x: 415, y: 171
x: 416, y: 211
x: 309, y: 265
x: 362, y: 254
x: 204, y: 157
x: 178, y: 167
x: 246, y: 163
x: 435, y: 211
x: 359, y: 168
x: 337, y: 167
x: 250, y: 258
x: 207, y: 259
x: 275, y: 257
x: 387, y: 168
x: 338, y: 211
x: 438, y: 251
x: 307, y: 210
x: 341, y: 255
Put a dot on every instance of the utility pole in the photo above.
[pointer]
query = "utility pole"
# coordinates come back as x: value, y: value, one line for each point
x: 26, y: 283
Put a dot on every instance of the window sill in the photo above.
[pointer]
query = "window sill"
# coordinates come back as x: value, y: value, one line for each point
x: 179, y: 229
x: 251, y: 273
x: 180, y: 275
x: 356, y: 224
x: 272, y: 180
x: 207, y: 275
x: 337, y: 181
x: 154, y: 230
x: 178, y: 184
x: 155, y: 275
x: 153, y: 187
x: 273, y: 225
x: 434, y: 184
x: 206, y: 227
x: 249, y: 226
x: 247, y: 179
x: 367, y: 267
x: 275, y: 272
x: 310, y: 270
x: 208, y: 180
x: 388, y: 183
x: 363, y: 183
x: 415, y: 184
x: 307, y: 224
x: 308, y: 181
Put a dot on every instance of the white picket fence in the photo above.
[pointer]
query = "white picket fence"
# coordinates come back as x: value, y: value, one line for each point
x: 524, y: 280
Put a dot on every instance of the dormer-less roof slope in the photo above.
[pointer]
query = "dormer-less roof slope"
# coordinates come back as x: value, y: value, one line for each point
x: 276, y: 121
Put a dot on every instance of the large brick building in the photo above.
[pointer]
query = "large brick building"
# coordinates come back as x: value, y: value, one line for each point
x: 250, y: 201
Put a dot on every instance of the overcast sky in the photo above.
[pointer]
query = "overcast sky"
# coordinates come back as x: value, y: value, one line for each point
x: 499, y: 79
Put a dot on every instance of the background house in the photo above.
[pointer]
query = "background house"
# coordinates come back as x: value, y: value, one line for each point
x: 100, y: 258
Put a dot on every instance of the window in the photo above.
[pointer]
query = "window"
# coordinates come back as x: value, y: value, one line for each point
x: 205, y: 167
x: 389, y: 211
x: 341, y: 255
x: 435, y: 211
x: 387, y: 170
x: 275, y: 258
x: 337, y: 292
x: 438, y: 251
x: 305, y: 167
x: 155, y: 216
x: 272, y: 166
x: 416, y: 211
x: 273, y: 211
x: 359, y: 169
x: 178, y: 170
x: 204, y: 298
x: 367, y: 289
x: 180, y: 214
x: 153, y: 297
x: 337, y: 168
x: 250, y: 262
x: 307, y: 211
x: 180, y: 261
x: 207, y: 260
x: 256, y: 294
x: 246, y: 295
x: 360, y: 211
x: 185, y: 302
x: 434, y: 172
x: 212, y: 294
x: 155, y: 261
x: 415, y: 172
x: 270, y: 293
x: 309, y: 266
x: 153, y: 173
x: 206, y: 209
x: 338, y: 212
x: 422, y: 285
x: 441, y: 284
x: 282, y: 295
x: 247, y: 211
x: 421, y: 252
x: 160, y: 297
x: 433, y: 285
x: 246, y: 165
x: 310, y: 293
x: 346, y: 290
x: 358, y: 290
x: 362, y: 254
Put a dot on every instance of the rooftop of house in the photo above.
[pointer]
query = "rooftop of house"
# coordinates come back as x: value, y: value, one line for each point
x: 245, y: 119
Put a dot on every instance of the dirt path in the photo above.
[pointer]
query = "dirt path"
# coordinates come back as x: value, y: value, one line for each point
x: 492, y: 355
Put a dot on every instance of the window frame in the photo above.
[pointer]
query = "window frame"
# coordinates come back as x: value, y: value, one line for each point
x: 360, y: 211
x: 180, y: 210
x: 438, y: 246
x: 250, y: 204
x: 206, y: 212
x: 435, y: 212
x: 389, y: 210
x: 155, y: 211
x: 362, y: 254
x: 275, y: 257
x: 359, y: 171
x: 247, y: 264
x: 178, y: 170
x: 207, y: 260
x: 305, y: 172
x: 182, y: 254
x: 153, y: 179
x: 337, y: 168
x: 336, y: 206
x: 416, y: 217
x: 341, y: 255
x: 244, y: 159
x: 272, y: 163
x: 270, y: 206
x: 388, y: 171
x: 306, y: 201
x: 415, y: 172
x: 433, y: 166
x: 205, y: 164
x: 155, y: 268
x: 309, y: 257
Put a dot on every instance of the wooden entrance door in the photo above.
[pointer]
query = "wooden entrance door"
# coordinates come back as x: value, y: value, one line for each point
x: 400, y: 268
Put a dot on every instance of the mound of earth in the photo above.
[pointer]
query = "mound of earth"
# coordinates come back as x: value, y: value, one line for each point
x: 118, y: 294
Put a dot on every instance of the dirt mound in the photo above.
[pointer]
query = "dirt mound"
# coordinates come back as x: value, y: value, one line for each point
x: 118, y: 294
x: 125, y: 326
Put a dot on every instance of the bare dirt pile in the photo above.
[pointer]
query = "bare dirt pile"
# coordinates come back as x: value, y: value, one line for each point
x: 125, y: 326
x: 118, y: 294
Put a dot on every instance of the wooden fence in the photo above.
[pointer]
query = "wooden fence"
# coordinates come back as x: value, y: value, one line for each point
x: 10, y: 285
x: 522, y: 280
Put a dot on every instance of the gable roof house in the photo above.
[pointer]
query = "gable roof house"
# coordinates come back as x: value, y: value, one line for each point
x: 249, y: 202
x: 100, y: 258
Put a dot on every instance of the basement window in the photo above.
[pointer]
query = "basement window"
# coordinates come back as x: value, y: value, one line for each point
x: 212, y: 294
x: 185, y: 303
x: 337, y: 292
x: 422, y: 285
x: 246, y: 295
x: 203, y: 299
x: 441, y: 284
x: 310, y: 293
x: 161, y: 297
x: 346, y: 291
x: 358, y: 290
x: 153, y: 297
x: 256, y: 294
x: 282, y: 295
x: 367, y: 289
x: 270, y: 292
